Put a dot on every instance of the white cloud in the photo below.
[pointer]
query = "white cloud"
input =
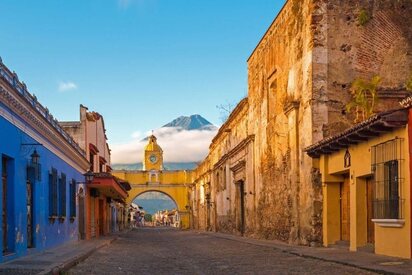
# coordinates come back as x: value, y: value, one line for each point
x: 178, y: 146
x: 137, y: 135
x: 67, y: 86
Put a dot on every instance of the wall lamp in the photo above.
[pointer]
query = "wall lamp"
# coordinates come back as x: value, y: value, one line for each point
x: 35, y: 157
x: 33, y: 169
x: 88, y: 176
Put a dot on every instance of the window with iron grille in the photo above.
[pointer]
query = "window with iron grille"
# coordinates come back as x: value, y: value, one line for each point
x: 73, y: 198
x: 387, y: 167
x: 62, y: 195
x: 53, y: 193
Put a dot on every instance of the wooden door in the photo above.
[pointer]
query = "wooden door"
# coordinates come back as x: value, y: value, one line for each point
x: 345, y: 209
x: 4, y: 204
x: 369, y: 202
x: 101, y: 218
x: 81, y: 218
x: 92, y: 218
x: 241, y: 205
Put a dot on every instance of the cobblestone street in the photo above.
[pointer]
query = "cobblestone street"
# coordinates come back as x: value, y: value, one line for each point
x: 168, y: 251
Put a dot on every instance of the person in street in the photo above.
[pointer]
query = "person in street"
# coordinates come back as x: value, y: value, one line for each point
x: 136, y: 219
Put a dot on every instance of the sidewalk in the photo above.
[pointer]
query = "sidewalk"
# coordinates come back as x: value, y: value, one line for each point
x: 362, y: 260
x: 56, y: 260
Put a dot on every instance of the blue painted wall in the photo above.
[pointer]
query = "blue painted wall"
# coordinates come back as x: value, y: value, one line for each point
x: 47, y: 234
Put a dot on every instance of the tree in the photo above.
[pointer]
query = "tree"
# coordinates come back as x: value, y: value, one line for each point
x: 364, y: 98
x: 148, y: 217
x: 225, y: 110
x: 409, y: 84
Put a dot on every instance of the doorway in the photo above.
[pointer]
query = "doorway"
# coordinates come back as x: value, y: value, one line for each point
x: 345, y: 209
x: 101, y: 217
x: 369, y: 207
x: 92, y: 218
x: 30, y: 212
x: 241, y: 206
x: 81, y: 215
x: 4, y: 177
x: 8, y: 205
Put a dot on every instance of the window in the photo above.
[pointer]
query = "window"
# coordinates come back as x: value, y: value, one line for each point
x: 387, y: 166
x: 53, y: 193
x: 91, y: 160
x: 62, y: 195
x: 73, y: 198
x: 272, y: 97
x: 218, y: 187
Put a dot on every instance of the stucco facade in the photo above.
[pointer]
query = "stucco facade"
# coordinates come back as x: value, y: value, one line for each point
x: 366, y: 184
x: 40, y: 167
x: 299, y: 80
x: 101, y: 202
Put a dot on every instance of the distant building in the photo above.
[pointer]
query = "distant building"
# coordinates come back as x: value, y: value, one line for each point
x: 41, y: 167
x: 102, y: 201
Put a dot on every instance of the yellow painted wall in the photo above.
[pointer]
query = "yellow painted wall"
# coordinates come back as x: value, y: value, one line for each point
x: 388, y: 241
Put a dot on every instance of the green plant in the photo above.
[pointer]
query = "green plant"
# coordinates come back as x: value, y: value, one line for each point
x: 364, y: 97
x: 148, y: 217
x: 363, y: 17
x: 409, y: 84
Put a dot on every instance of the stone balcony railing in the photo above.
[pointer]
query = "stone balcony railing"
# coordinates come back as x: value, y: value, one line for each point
x: 12, y: 79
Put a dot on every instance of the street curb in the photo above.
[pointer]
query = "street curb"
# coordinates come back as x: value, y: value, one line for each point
x: 299, y: 254
x: 77, y: 259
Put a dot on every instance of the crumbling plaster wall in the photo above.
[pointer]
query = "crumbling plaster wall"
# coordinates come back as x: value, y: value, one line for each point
x: 214, y: 176
x: 300, y: 76
x: 280, y: 116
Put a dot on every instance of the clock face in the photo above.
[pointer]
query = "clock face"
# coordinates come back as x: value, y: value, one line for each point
x: 153, y: 158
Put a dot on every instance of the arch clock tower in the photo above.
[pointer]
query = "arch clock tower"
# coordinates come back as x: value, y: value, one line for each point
x: 153, y: 155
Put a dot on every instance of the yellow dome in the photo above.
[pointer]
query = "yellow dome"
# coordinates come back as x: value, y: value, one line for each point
x: 152, y: 145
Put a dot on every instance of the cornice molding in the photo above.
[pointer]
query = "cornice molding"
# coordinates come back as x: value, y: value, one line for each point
x: 43, y: 132
x: 235, y: 150
x: 33, y: 106
x: 241, y: 106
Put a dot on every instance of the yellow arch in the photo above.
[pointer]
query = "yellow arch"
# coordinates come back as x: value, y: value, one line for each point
x: 173, y: 194
x: 175, y: 184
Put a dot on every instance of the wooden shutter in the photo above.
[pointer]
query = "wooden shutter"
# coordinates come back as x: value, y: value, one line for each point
x: 62, y: 195
x: 73, y: 198
x: 53, y: 193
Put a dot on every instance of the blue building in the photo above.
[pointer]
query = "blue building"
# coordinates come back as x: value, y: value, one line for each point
x: 41, y: 167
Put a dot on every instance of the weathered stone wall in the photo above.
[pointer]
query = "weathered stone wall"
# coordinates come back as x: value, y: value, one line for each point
x: 280, y: 116
x: 215, y: 176
x: 381, y: 46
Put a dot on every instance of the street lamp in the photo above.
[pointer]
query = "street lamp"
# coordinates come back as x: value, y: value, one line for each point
x: 89, y: 176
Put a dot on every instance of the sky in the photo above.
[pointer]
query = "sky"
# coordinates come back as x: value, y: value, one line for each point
x: 139, y: 63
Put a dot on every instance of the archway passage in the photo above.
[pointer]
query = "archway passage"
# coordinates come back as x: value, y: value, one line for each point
x: 174, y: 184
x: 158, y: 209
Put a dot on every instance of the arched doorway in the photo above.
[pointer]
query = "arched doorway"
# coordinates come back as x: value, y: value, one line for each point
x: 157, y: 208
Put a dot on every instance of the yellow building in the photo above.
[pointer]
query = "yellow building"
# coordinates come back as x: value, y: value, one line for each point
x: 365, y: 174
x: 153, y: 178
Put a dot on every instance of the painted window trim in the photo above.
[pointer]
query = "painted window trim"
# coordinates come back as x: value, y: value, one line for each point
x: 395, y: 223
